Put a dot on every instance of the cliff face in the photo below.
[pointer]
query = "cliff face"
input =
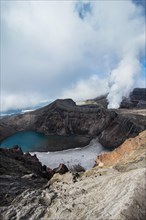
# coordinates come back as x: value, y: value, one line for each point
x: 121, y: 128
x: 62, y: 117
x: 65, y: 118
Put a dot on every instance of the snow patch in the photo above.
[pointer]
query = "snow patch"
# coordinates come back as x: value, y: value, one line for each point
x: 84, y: 156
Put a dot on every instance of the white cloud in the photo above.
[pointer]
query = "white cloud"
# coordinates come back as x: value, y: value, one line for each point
x: 49, y: 52
x: 85, y: 89
x: 12, y: 102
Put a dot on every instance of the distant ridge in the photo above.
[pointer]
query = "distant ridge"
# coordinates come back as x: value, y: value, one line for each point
x: 136, y: 99
x: 66, y: 119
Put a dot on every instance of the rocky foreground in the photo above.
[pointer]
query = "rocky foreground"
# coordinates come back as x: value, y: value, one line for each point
x: 78, y: 125
x: 114, y: 189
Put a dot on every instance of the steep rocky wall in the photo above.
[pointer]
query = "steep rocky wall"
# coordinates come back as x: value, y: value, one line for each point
x: 121, y: 128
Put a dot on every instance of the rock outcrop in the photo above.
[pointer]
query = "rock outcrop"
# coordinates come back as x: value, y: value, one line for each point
x: 13, y: 162
x: 121, y: 128
x: 136, y: 99
x: 62, y: 169
x: 115, y: 190
x: 21, y: 171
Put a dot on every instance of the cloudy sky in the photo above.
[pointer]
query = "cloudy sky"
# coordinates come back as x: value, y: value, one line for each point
x: 70, y: 49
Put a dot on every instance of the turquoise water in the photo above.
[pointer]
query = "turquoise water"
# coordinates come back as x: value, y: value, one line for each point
x: 34, y: 141
x: 27, y: 140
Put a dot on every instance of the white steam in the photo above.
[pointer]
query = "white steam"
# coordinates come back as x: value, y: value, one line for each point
x: 122, y: 80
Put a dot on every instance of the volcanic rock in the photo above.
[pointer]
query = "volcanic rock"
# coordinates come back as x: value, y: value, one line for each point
x: 13, y: 162
x: 115, y: 191
x: 136, y: 99
x: 20, y: 172
x: 63, y: 118
x: 132, y: 151
x: 62, y: 169
x: 121, y: 128
x: 69, y: 125
x: 100, y: 100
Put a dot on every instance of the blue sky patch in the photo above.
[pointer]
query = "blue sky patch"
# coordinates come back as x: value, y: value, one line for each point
x: 83, y: 9
x: 140, y: 2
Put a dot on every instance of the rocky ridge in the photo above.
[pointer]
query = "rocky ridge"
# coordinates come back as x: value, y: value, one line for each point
x: 114, y: 189
x: 66, y: 119
x: 136, y: 99
x: 20, y: 171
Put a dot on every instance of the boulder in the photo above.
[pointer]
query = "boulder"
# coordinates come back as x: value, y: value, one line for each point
x: 61, y: 169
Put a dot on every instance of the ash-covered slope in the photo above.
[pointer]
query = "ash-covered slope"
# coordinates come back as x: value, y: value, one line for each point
x: 65, y: 118
x: 114, y: 189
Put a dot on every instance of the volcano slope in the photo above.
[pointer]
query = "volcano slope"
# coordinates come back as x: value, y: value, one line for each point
x: 114, y: 189
x: 66, y: 119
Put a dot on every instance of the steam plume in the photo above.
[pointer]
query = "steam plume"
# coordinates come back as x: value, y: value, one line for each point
x: 122, y: 80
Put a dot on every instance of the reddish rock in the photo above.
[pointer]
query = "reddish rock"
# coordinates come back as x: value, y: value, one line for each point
x: 123, y: 152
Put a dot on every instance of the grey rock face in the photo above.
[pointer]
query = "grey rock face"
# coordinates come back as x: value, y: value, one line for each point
x: 121, y: 128
x: 64, y: 117
x: 137, y: 99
